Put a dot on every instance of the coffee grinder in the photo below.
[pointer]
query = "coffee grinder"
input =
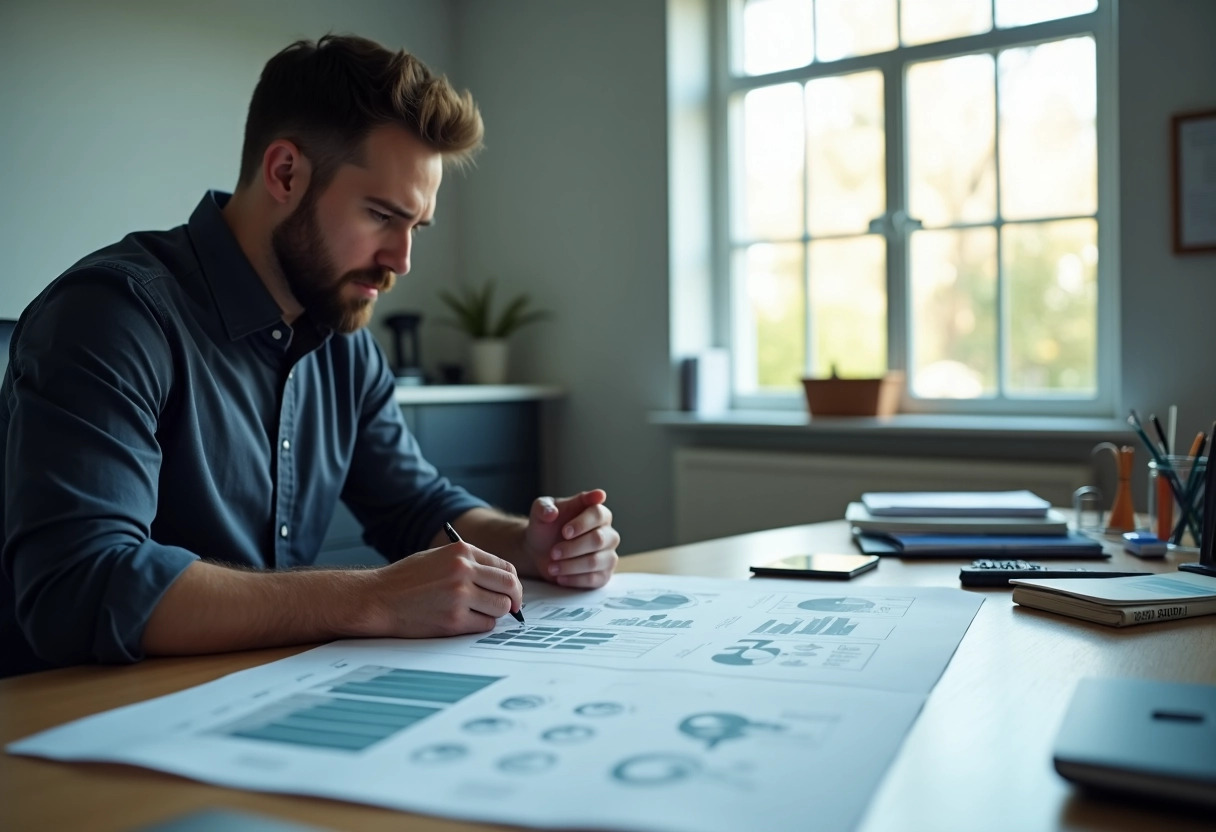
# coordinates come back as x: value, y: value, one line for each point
x: 408, y: 367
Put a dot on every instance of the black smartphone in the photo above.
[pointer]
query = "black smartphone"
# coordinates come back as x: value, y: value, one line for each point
x: 818, y: 566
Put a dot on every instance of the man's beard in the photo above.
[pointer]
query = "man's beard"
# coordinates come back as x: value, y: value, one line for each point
x: 311, y: 276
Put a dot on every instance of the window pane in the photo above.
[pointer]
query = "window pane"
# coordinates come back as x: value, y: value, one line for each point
x: 1049, y: 153
x: 953, y: 296
x: 777, y: 35
x: 770, y: 334
x: 855, y: 27
x: 845, y: 155
x: 849, y: 307
x: 951, y: 129
x: 1051, y: 269
x: 773, y: 162
x: 925, y: 21
x: 1024, y: 12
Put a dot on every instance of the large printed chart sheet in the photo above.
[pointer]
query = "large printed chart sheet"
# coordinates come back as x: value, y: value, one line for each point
x: 655, y: 703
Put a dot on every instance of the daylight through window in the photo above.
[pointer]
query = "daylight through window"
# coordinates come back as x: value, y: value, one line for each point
x: 915, y: 185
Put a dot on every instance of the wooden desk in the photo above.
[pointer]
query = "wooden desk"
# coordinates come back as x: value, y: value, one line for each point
x: 977, y: 758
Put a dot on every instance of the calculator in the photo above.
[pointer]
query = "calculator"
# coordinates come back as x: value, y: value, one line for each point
x: 985, y: 572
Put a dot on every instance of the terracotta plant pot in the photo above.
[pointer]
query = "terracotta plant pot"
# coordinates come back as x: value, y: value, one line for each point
x: 854, y: 396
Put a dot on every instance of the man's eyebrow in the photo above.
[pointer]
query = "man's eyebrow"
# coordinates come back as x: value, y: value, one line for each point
x: 395, y: 209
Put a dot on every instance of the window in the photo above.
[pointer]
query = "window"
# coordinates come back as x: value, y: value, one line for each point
x: 914, y: 185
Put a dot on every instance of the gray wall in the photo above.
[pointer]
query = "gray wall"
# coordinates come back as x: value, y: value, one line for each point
x: 120, y: 118
x: 119, y: 115
x: 1167, y: 65
x: 569, y: 200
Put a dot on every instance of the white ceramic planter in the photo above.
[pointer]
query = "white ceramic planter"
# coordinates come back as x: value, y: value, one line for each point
x: 488, y: 361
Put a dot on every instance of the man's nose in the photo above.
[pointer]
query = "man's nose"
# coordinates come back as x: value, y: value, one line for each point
x: 397, y: 258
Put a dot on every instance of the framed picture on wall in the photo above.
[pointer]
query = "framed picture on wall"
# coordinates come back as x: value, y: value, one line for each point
x: 1194, y: 186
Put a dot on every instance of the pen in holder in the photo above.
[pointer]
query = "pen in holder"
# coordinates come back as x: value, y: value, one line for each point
x: 1207, y: 538
x: 1172, y: 519
x: 1122, y: 516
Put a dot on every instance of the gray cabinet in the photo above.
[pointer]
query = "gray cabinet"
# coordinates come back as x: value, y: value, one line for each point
x: 490, y: 448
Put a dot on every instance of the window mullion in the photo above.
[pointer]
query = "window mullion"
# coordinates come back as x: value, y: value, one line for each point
x: 808, y: 338
x: 898, y: 276
x: 721, y: 184
x: 1003, y: 347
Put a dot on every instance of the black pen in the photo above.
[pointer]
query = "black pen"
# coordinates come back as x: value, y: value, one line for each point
x: 455, y: 538
x: 1165, y: 445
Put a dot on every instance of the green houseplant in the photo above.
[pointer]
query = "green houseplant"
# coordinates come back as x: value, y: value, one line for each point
x: 473, y: 313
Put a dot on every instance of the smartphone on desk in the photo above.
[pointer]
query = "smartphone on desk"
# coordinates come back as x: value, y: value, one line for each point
x: 817, y: 566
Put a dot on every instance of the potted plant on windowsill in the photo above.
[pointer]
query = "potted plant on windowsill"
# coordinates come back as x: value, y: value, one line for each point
x: 472, y: 309
x: 837, y: 396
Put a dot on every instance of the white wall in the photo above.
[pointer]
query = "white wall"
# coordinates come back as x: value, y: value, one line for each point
x: 117, y: 116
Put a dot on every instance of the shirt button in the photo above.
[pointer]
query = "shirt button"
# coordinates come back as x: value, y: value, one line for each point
x: 282, y: 531
x: 287, y: 444
x: 291, y: 373
x: 276, y: 334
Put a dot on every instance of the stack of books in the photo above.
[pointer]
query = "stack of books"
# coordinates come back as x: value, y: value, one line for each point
x: 1002, y: 524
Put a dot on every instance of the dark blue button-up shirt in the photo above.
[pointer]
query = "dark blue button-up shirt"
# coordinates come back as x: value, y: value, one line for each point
x: 158, y: 410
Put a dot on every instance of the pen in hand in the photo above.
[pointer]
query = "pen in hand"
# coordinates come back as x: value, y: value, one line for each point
x: 455, y: 538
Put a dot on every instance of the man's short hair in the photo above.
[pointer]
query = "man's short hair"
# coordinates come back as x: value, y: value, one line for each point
x: 328, y: 95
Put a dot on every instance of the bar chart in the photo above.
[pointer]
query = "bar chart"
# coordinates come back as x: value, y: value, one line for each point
x: 658, y: 621
x: 569, y: 639
x: 352, y: 722
x: 827, y: 626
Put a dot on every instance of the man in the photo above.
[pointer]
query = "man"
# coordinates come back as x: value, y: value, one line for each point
x: 183, y: 409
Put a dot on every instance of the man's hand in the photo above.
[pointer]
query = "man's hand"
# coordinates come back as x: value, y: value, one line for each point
x: 571, y: 540
x: 448, y: 591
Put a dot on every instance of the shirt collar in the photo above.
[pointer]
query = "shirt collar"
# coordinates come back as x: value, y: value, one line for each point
x: 243, y: 301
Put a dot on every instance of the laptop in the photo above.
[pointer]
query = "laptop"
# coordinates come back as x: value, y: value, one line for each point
x: 1141, y: 737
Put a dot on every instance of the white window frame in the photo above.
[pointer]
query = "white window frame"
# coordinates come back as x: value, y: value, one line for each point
x: 726, y: 86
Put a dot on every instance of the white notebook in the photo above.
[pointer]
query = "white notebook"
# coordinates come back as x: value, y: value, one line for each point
x: 955, y: 504
x: 1052, y: 523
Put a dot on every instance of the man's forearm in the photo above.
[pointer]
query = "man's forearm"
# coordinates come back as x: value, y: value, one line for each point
x: 212, y: 609
x: 497, y: 533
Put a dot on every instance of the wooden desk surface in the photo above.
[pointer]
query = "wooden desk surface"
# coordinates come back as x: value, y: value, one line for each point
x: 977, y: 758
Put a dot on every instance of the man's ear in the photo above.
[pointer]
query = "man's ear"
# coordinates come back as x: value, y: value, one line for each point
x: 285, y: 172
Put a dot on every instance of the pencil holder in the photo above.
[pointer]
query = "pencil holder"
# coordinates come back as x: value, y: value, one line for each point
x: 1166, y: 519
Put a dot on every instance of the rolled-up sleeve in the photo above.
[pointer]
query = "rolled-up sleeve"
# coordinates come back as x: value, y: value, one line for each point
x: 91, y: 373
x: 400, y: 498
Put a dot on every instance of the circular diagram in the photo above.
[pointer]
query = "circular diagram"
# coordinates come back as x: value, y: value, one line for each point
x: 529, y: 762
x: 521, y: 703
x: 487, y: 725
x: 837, y: 604
x: 638, y: 601
x: 567, y: 734
x: 655, y: 769
x: 747, y: 655
x: 600, y: 709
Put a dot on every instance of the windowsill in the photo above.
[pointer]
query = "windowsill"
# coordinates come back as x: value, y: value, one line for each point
x: 410, y: 394
x: 796, y: 422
